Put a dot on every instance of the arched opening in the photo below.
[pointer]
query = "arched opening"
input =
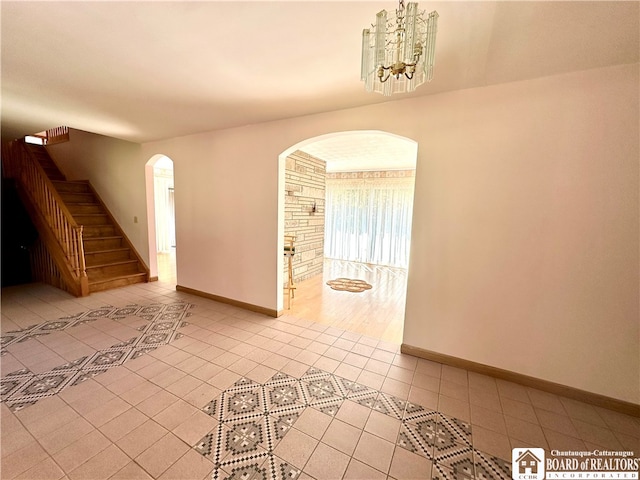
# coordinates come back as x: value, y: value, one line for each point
x: 161, y: 218
x: 357, y: 188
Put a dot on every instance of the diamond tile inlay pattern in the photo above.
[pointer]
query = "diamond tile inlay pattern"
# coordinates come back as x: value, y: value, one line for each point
x: 255, y: 417
x: 23, y: 387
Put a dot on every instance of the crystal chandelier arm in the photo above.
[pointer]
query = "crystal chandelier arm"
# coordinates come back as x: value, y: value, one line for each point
x: 381, y: 73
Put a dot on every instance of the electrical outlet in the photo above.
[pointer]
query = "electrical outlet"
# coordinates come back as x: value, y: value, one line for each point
x: 135, y: 219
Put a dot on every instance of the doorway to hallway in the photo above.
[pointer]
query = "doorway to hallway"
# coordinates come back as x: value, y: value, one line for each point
x: 161, y: 218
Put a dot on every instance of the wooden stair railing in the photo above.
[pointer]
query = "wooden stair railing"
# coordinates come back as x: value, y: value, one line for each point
x: 53, y: 135
x: 52, y: 218
x: 57, y: 135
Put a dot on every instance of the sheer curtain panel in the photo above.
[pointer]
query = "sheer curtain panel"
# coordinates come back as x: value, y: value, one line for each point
x: 369, y: 220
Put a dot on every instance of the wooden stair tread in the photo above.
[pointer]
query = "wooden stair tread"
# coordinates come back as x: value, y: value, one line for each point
x: 106, y: 237
x: 109, y: 250
x: 116, y: 278
x: 96, y: 229
x: 114, y: 263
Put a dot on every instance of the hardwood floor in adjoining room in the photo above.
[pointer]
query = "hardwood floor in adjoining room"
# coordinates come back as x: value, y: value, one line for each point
x: 378, y: 312
x: 167, y: 267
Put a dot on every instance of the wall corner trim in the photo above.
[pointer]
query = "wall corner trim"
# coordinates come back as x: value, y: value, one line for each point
x: 621, y: 406
x: 271, y: 312
x: 153, y: 279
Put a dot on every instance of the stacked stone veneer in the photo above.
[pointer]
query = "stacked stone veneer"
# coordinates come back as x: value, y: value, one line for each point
x: 305, y: 186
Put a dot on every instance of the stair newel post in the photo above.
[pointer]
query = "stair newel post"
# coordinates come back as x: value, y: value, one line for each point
x: 82, y: 265
x: 84, y: 279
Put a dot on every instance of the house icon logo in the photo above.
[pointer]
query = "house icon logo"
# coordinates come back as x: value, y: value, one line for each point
x: 527, y: 463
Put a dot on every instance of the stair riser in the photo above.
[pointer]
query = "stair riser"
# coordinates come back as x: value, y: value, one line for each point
x: 91, y: 245
x: 69, y: 197
x: 101, y: 258
x: 91, y: 219
x: 99, y: 231
x: 73, y: 187
x: 107, y: 271
x: 79, y: 209
x: 120, y: 282
x: 54, y: 176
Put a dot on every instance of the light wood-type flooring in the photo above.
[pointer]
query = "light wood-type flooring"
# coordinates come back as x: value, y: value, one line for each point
x: 378, y: 312
x: 167, y: 267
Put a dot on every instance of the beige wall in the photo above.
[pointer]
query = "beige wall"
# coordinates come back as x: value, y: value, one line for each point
x: 525, y: 231
x: 305, y: 178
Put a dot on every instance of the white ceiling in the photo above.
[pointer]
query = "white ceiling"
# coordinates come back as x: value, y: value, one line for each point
x: 143, y: 71
x: 361, y: 151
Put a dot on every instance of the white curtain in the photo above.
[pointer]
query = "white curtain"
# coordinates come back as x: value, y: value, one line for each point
x: 369, y: 220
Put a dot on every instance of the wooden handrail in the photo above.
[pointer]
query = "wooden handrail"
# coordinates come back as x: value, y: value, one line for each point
x: 33, y: 180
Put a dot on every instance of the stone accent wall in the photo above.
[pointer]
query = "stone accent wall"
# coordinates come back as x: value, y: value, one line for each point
x: 305, y: 186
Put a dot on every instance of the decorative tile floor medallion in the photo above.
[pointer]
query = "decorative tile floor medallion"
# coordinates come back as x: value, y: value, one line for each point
x: 23, y: 387
x: 253, y: 418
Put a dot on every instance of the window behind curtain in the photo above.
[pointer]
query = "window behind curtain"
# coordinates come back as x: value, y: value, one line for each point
x: 368, y: 218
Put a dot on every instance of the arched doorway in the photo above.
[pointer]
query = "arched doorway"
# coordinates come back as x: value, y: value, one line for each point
x: 159, y: 176
x: 369, y: 174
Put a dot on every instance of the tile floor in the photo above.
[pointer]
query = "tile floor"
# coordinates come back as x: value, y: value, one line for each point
x: 146, y: 382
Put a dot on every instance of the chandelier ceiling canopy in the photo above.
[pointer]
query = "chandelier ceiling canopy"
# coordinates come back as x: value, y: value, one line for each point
x: 398, y: 51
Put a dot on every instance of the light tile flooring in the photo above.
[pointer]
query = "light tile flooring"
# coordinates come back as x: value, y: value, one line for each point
x: 235, y: 394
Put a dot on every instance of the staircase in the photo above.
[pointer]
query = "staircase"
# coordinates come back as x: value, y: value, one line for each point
x: 110, y: 262
x: 41, y: 155
x: 109, y: 258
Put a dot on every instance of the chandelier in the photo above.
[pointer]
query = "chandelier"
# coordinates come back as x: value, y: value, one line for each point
x: 398, y: 52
